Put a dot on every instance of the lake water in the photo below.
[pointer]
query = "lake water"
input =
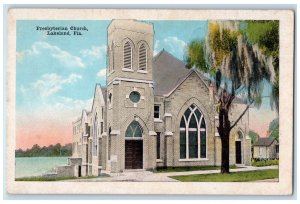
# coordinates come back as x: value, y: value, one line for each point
x: 37, y: 166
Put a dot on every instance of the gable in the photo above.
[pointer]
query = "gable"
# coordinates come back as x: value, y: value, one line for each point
x: 98, y: 97
x: 192, y: 74
x: 169, y: 72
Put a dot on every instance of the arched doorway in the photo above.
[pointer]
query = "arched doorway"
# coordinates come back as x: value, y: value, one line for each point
x: 134, y: 146
x: 238, y: 148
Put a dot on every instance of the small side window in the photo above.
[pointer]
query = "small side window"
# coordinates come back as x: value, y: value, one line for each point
x: 156, y: 112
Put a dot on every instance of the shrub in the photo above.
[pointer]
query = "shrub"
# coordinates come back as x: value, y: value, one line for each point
x: 265, y: 162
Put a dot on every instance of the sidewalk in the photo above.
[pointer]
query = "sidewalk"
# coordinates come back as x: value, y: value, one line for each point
x: 147, y: 176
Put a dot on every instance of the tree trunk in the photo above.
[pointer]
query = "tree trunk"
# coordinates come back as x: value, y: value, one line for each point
x: 224, y: 132
x: 225, y: 155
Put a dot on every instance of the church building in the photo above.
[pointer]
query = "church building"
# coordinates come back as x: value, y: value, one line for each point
x: 152, y: 112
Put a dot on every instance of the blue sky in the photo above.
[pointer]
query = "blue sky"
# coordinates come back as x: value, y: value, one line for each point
x: 56, y: 75
x: 80, y: 58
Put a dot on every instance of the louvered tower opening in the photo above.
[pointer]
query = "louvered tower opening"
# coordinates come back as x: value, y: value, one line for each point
x: 127, y: 56
x: 142, y: 57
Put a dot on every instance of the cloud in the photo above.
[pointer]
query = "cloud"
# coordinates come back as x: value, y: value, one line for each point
x: 175, y: 45
x: 66, y: 103
x: 64, y: 57
x: 101, y: 73
x: 49, y: 84
x: 96, y: 52
x: 172, y: 44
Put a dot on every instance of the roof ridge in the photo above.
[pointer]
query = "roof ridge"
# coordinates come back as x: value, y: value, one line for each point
x: 168, y: 53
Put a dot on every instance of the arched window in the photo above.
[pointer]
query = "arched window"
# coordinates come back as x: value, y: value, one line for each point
x: 134, y: 130
x: 142, y: 57
x: 240, y: 135
x: 127, y: 56
x: 109, y: 142
x: 192, y: 134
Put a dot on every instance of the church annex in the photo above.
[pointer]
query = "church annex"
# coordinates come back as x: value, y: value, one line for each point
x: 153, y: 112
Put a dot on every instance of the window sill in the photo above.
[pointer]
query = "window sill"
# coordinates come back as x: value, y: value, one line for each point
x: 142, y: 71
x: 133, y: 138
x: 127, y: 70
x: 157, y: 120
x: 159, y: 160
x: 193, y: 160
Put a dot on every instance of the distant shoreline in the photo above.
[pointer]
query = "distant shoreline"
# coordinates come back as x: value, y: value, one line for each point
x: 51, y: 151
x: 41, y: 156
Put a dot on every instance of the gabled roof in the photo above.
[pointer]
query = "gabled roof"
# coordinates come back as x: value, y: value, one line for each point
x: 104, y: 91
x: 102, y: 95
x: 168, y: 72
x: 267, y: 141
x: 82, y: 116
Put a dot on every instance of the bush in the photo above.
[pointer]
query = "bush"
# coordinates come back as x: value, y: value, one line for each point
x: 265, y: 162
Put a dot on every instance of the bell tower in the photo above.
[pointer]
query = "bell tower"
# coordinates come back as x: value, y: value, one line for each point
x: 130, y: 99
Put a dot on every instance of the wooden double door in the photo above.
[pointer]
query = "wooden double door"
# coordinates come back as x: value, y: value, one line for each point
x: 133, y: 154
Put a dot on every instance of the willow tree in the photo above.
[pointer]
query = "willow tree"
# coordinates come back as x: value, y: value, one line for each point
x: 239, y: 62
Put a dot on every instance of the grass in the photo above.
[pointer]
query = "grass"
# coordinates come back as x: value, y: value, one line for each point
x: 245, y: 176
x: 40, y: 178
x: 265, y: 162
x: 190, y: 168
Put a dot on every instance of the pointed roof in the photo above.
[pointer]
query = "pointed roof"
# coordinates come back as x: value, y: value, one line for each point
x: 167, y: 72
x: 267, y: 141
x: 99, y: 90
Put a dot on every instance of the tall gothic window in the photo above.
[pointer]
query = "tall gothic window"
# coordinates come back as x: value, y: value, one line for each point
x: 109, y: 143
x: 134, y: 130
x: 95, y: 135
x: 192, y: 134
x: 142, y: 57
x: 127, y: 56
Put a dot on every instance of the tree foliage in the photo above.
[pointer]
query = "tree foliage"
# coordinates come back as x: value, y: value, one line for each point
x: 265, y: 34
x: 274, y: 129
x: 196, y: 55
x: 50, y: 151
x: 246, y: 53
x: 241, y: 55
x: 253, y: 136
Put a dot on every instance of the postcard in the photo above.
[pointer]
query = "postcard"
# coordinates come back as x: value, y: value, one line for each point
x: 121, y: 101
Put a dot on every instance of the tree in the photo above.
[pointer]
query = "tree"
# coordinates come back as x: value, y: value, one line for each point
x: 274, y: 129
x: 50, y: 151
x: 239, y: 64
x: 253, y: 136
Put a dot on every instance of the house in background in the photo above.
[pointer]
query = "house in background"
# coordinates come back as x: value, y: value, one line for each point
x: 266, y: 148
x: 153, y: 112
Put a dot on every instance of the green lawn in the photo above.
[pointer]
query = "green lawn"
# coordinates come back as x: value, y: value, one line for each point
x: 232, y: 177
x: 190, y: 168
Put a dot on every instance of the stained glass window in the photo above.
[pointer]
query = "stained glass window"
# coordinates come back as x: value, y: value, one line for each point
x: 134, y: 130
x: 192, y: 132
x: 158, y: 145
x: 135, y: 96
